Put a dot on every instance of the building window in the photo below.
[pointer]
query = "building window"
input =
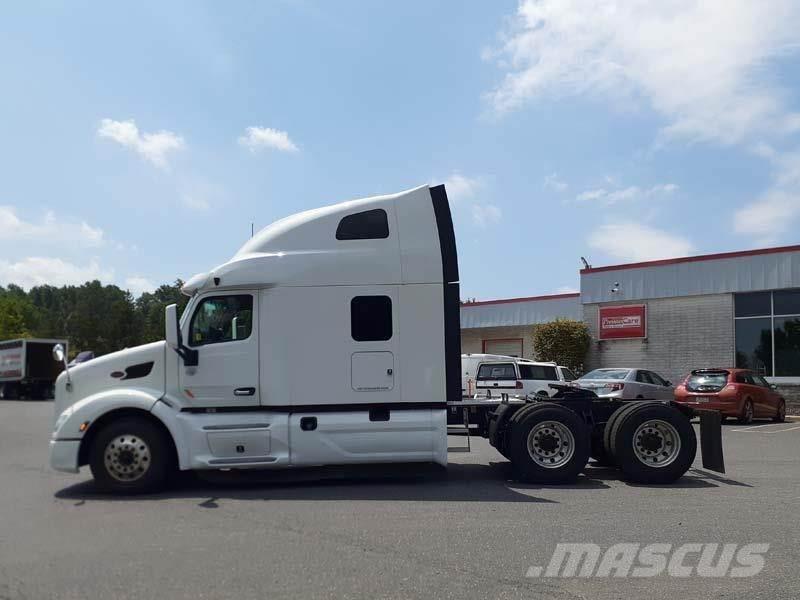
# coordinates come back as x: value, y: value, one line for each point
x: 767, y: 330
x: 371, y: 318
x: 367, y: 225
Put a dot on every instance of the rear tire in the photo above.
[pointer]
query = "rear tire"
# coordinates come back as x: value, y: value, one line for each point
x: 131, y: 456
x: 607, y: 445
x: 747, y: 413
x: 780, y: 416
x: 653, y: 444
x: 549, y: 444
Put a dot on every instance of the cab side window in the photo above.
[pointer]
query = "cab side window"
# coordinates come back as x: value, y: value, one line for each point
x: 220, y: 319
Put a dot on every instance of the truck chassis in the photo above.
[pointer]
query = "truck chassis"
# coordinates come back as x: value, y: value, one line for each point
x: 551, y: 441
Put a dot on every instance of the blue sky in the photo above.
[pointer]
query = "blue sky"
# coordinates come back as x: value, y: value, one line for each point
x: 139, y: 141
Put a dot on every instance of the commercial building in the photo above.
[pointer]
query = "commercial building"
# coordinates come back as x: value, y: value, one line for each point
x: 718, y: 310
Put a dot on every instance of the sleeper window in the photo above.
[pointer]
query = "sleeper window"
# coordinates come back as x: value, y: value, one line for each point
x: 367, y: 225
x: 371, y: 318
x: 221, y: 319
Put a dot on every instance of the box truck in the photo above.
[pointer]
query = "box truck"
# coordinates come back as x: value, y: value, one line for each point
x: 27, y: 369
x: 373, y: 286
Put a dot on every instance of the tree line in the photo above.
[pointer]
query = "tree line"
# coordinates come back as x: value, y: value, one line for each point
x: 92, y: 316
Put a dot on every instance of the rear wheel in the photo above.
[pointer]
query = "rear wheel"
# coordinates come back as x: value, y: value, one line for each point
x: 653, y: 443
x: 130, y: 456
x: 780, y: 416
x: 747, y: 413
x: 549, y: 444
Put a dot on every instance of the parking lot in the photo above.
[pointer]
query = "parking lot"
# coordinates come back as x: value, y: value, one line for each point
x: 395, y: 532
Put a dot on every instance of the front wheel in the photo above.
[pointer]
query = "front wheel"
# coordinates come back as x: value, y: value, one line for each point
x: 654, y: 444
x: 549, y: 444
x: 747, y: 413
x: 130, y: 456
x: 780, y: 416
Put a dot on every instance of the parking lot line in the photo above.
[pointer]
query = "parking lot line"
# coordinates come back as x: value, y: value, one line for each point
x: 759, y: 426
x: 784, y: 430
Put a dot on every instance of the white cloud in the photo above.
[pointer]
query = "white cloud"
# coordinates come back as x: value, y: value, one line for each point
x: 629, y: 193
x: 139, y: 285
x: 552, y: 182
x: 631, y: 241
x: 460, y: 188
x: 484, y: 215
x: 256, y: 138
x: 701, y: 65
x: 34, y: 271
x: 50, y: 230
x: 777, y: 209
x: 463, y: 192
x: 154, y: 147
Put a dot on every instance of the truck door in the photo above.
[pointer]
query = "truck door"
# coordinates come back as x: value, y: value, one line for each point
x: 223, y: 329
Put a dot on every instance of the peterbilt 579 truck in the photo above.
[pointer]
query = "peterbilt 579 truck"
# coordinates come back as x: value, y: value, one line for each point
x: 372, y: 285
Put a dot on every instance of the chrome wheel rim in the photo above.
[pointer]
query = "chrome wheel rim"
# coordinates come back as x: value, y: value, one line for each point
x: 656, y: 443
x: 127, y: 458
x: 551, y: 444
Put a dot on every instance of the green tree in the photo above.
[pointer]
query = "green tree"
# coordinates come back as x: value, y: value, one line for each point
x: 15, y: 316
x: 564, y: 341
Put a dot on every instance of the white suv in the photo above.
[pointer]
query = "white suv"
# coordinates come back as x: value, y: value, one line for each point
x: 520, y: 377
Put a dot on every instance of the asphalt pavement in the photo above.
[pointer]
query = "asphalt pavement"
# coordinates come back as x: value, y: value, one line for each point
x: 399, y: 531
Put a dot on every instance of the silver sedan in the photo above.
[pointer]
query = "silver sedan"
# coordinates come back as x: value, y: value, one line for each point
x: 627, y: 384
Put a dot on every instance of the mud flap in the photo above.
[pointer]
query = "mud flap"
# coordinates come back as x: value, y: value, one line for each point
x: 711, y: 440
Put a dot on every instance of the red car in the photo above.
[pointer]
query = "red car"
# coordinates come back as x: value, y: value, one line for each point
x: 737, y: 393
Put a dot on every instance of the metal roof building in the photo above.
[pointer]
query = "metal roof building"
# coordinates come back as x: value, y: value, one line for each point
x: 731, y: 309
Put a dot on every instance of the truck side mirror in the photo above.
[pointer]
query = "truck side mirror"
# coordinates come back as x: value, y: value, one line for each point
x: 172, y: 327
x: 172, y: 334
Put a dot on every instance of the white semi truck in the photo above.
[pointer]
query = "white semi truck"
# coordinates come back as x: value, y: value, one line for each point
x: 26, y: 368
x: 372, y: 285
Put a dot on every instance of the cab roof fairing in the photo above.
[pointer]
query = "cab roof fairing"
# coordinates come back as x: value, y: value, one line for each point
x: 302, y: 250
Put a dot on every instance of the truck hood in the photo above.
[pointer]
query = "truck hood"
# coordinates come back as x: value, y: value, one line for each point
x: 141, y: 367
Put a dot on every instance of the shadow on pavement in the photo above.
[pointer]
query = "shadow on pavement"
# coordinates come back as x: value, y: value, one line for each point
x: 457, y: 483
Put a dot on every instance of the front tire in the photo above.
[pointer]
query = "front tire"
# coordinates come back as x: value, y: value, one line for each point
x: 747, y: 413
x: 780, y: 416
x: 130, y: 456
x: 549, y: 444
x: 653, y: 444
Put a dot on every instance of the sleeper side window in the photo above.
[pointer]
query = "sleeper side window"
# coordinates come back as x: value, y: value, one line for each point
x: 371, y: 318
x: 367, y: 225
x: 221, y: 319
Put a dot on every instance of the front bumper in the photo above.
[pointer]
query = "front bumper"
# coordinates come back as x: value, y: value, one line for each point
x: 64, y: 455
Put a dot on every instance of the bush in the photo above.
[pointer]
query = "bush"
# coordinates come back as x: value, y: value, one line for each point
x: 563, y: 341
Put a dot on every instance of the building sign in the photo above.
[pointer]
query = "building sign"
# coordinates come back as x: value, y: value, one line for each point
x: 622, y: 322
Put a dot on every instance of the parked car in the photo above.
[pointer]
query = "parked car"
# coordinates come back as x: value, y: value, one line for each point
x: 493, y: 375
x: 737, y: 393
x: 627, y: 384
x: 469, y: 369
x: 520, y: 377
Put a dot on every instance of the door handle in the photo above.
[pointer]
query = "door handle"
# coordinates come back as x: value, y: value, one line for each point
x: 249, y: 391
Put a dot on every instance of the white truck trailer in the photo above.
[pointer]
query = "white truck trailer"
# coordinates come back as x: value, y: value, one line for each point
x: 372, y: 285
x: 27, y: 369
